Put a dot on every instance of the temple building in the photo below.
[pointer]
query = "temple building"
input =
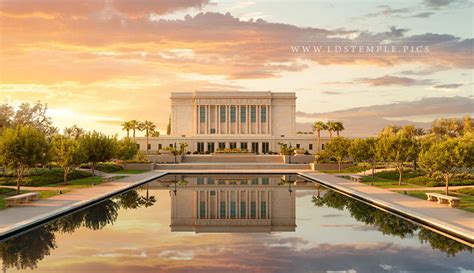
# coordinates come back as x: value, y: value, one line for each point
x: 254, y: 121
x: 254, y: 204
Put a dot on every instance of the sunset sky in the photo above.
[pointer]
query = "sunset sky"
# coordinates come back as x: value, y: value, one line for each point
x: 97, y: 63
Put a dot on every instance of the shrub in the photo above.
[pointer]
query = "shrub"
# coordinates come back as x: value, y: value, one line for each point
x: 40, y: 177
x: 467, y: 191
x: 108, y: 167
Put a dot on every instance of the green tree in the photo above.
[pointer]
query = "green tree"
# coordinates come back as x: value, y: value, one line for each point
x: 21, y: 148
x: 319, y: 126
x: 98, y: 148
x: 74, y: 131
x: 365, y: 150
x: 397, y: 148
x: 285, y: 150
x: 67, y: 153
x: 448, y: 157
x: 27, y: 115
x: 338, y: 148
x: 182, y: 148
x: 127, y: 149
x: 451, y: 127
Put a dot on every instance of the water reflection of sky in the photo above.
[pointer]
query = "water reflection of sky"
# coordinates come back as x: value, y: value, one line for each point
x: 325, y: 240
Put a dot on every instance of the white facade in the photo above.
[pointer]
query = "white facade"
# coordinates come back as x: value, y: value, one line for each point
x: 240, y: 204
x: 256, y: 121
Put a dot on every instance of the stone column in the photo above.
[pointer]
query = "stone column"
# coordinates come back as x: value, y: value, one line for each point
x: 248, y: 119
x: 237, y: 116
x: 198, y: 205
x: 227, y: 113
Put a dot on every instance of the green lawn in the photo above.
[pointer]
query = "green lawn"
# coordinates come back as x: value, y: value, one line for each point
x: 41, y: 176
x: 6, y: 192
x: 130, y: 172
x: 79, y: 183
x: 467, y: 201
x: 383, y: 183
x: 353, y: 169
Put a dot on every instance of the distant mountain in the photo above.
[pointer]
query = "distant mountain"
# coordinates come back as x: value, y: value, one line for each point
x: 366, y: 121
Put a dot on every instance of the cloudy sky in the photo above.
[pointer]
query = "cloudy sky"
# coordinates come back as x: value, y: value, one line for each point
x: 100, y: 62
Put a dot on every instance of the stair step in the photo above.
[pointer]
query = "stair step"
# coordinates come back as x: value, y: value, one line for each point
x: 222, y: 166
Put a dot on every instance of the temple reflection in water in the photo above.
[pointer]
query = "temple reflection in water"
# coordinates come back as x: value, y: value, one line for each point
x: 234, y: 204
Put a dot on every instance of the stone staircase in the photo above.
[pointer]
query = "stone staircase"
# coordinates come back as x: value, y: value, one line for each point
x: 232, y: 158
x: 233, y: 166
x: 232, y: 162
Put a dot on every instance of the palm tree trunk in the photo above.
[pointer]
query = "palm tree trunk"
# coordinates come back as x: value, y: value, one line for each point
x: 66, y: 171
x: 19, y: 174
x: 18, y: 182
x: 128, y: 132
x: 400, y: 173
x: 337, y: 132
x: 319, y: 140
x: 147, y: 143
x: 373, y: 169
x: 330, y: 135
x: 446, y: 178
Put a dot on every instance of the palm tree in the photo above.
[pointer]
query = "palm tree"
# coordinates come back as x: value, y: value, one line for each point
x: 319, y: 126
x: 127, y: 126
x: 134, y: 125
x: 149, y: 127
x: 331, y: 127
x: 147, y: 201
x: 338, y: 127
x: 74, y: 131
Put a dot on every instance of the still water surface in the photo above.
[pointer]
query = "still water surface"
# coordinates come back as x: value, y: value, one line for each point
x: 231, y: 223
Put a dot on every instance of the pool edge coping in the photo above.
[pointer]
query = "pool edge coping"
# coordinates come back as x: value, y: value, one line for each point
x: 38, y: 220
x: 432, y: 223
x: 436, y: 224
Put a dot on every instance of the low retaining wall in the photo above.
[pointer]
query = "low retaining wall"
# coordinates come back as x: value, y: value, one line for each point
x: 298, y: 159
x: 139, y: 166
x: 224, y: 158
x: 165, y: 158
x: 329, y: 166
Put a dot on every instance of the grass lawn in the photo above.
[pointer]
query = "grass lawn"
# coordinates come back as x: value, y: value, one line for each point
x: 467, y: 201
x: 6, y: 192
x: 79, y: 183
x: 383, y: 183
x: 130, y: 172
x: 353, y: 169
x: 41, y: 176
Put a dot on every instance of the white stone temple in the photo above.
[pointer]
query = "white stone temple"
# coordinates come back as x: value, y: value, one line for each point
x: 255, y: 121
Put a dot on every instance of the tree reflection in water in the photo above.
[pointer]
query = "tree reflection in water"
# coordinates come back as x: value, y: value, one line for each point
x: 26, y: 250
x: 388, y: 223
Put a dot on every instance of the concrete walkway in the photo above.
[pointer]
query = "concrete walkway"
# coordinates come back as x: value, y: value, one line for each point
x: 26, y: 188
x: 24, y: 215
x: 450, y: 220
x: 455, y: 222
x: 430, y: 188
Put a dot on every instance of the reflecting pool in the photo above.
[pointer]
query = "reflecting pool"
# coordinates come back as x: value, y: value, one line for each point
x: 233, y: 223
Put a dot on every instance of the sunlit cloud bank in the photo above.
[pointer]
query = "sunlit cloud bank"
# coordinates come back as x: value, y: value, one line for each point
x: 120, y: 59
